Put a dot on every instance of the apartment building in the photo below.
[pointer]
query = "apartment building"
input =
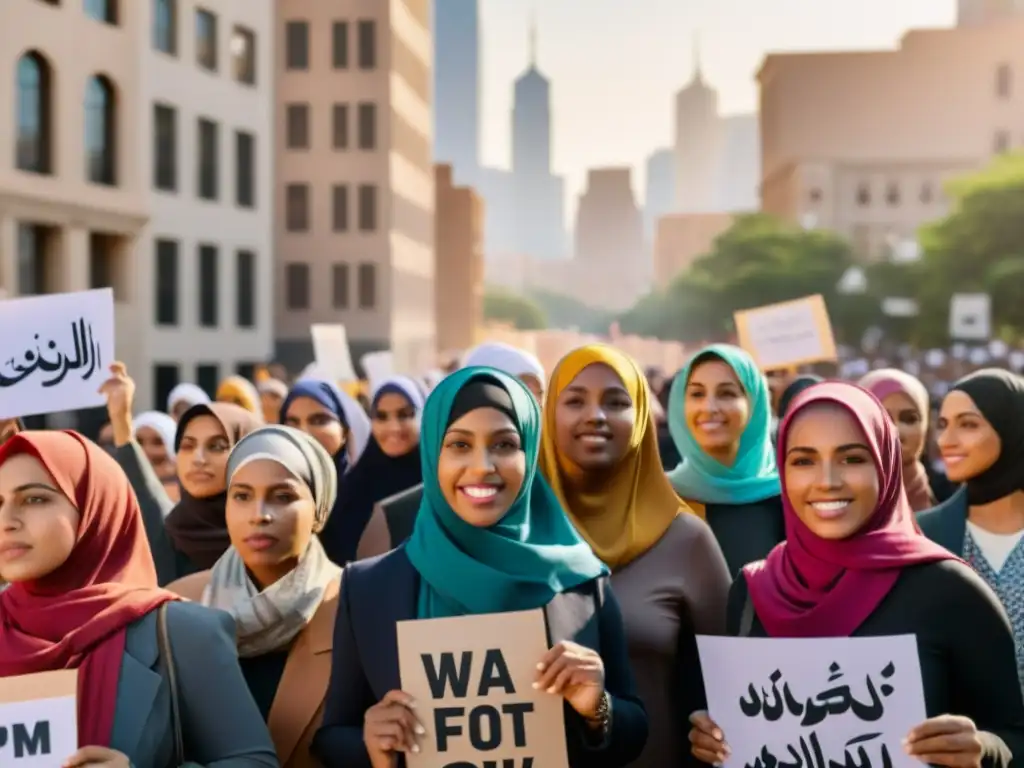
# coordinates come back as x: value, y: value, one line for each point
x: 354, y: 177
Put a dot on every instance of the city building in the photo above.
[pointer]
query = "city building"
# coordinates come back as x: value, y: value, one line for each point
x: 457, y: 88
x: 862, y: 143
x: 134, y: 150
x: 985, y: 11
x: 659, y: 189
x: 681, y: 238
x: 459, y: 295
x: 355, y: 178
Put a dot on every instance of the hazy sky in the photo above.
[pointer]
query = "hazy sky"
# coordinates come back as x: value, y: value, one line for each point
x: 615, y: 65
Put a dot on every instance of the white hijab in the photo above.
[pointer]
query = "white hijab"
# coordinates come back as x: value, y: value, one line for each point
x: 186, y: 393
x: 506, y: 358
x: 162, y: 424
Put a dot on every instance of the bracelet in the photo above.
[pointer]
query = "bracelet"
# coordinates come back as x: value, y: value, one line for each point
x: 603, y: 713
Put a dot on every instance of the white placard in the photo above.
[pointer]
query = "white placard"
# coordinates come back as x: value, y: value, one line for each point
x: 39, y: 733
x: 55, y: 351
x: 331, y: 350
x: 810, y: 702
x: 970, y: 316
x: 378, y: 366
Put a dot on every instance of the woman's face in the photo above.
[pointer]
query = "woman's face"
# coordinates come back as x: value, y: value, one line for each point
x: 318, y: 422
x: 178, y: 409
x: 203, y: 457
x: 152, y: 443
x: 534, y: 384
x: 831, y: 479
x: 481, y: 466
x: 270, y: 403
x: 967, y: 441
x: 716, y: 409
x: 270, y: 516
x: 594, y: 419
x: 394, y: 424
x: 38, y: 523
x: 910, y: 424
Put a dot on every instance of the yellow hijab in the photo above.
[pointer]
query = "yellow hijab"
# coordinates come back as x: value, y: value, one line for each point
x: 637, y: 503
x: 238, y: 390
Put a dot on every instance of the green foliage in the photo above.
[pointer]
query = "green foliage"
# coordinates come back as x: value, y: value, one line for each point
x: 504, y: 306
x: 567, y: 312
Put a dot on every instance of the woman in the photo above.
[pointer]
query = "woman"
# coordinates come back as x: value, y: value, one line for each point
x: 154, y: 432
x: 183, y: 397
x: 239, y: 391
x: 721, y: 421
x: 516, y: 552
x: 389, y: 465
x: 9, y: 428
x: 981, y: 436
x: 854, y: 565
x: 599, y: 452
x: 517, y: 362
x: 796, y: 386
x: 906, y: 401
x: 321, y: 410
x: 83, y: 595
x: 276, y: 581
x: 272, y: 393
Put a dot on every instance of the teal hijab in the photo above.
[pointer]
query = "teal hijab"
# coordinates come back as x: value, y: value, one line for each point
x: 754, y: 476
x: 518, y: 564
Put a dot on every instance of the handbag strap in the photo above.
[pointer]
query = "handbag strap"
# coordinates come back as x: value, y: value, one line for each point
x: 164, y: 641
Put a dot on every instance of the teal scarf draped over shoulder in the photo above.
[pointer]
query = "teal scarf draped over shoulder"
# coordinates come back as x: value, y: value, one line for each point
x: 754, y: 476
x: 519, y: 563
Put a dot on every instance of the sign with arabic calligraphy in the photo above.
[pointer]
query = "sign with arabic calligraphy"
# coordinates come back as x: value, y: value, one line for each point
x: 814, y: 703
x: 54, y: 351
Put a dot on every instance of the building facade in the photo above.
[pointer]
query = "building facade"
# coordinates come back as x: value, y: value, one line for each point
x: 354, y: 177
x: 459, y: 291
x: 682, y: 238
x: 987, y: 11
x: 457, y: 88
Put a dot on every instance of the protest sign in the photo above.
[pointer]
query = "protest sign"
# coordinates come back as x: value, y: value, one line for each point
x: 54, y: 352
x: 331, y: 350
x: 378, y: 366
x: 787, y: 335
x: 815, y: 703
x: 38, y: 719
x: 970, y: 317
x: 472, y: 679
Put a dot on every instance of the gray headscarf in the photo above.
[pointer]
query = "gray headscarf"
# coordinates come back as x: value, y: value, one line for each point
x: 270, y: 620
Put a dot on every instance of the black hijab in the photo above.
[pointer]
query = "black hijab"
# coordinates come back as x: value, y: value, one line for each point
x: 796, y: 386
x: 999, y: 395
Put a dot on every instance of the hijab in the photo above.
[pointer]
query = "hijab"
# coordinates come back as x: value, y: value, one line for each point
x: 796, y: 386
x: 274, y: 387
x: 636, y: 505
x: 187, y: 393
x: 269, y: 620
x: 196, y: 525
x: 77, y: 615
x: 813, y: 587
x: 375, y: 477
x: 888, y: 381
x: 160, y: 423
x: 522, y: 561
x: 754, y: 476
x: 351, y: 415
x: 999, y: 395
x: 240, y: 391
x: 512, y: 360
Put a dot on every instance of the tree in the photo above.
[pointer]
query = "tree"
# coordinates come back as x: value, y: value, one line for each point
x: 566, y: 312
x: 504, y: 306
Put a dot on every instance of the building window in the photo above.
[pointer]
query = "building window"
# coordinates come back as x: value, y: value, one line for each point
x: 33, y: 241
x: 367, y: 207
x: 1004, y: 81
x: 246, y: 370
x: 339, y: 45
x: 208, y: 157
x: 339, y: 286
x: 208, y: 287
x: 206, y: 40
x: 927, y: 193
x: 367, y: 286
x: 245, y: 287
x: 104, y: 263
x: 339, y: 126
x: 296, y: 54
x: 243, y: 55
x: 165, y: 378
x: 165, y: 26
x: 101, y: 10
x: 339, y: 208
x: 296, y: 207
x: 863, y: 195
x: 1001, y: 142
x: 245, y: 170
x: 892, y: 194
x: 208, y: 378
x: 33, y: 150
x: 100, y: 131
x: 296, y: 278
x: 165, y: 148
x: 367, y: 44
x: 297, y: 126
x: 166, y: 282
x: 367, y: 126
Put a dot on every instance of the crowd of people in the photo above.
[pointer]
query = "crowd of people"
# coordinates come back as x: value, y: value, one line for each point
x: 227, y: 576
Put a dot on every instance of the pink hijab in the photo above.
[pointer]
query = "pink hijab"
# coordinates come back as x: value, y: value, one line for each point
x: 888, y: 381
x: 813, y: 587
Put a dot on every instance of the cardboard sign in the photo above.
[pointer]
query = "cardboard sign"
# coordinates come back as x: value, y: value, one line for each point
x: 38, y: 719
x: 970, y: 317
x: 787, y: 335
x: 54, y: 352
x: 331, y: 350
x: 472, y: 679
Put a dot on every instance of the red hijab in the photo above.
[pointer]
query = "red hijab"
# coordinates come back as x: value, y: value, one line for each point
x: 813, y: 587
x: 76, y: 616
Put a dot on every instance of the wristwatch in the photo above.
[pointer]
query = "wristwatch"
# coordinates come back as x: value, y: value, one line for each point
x: 603, y: 714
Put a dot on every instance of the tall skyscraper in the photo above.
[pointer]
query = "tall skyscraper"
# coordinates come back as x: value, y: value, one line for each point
x: 531, y: 118
x: 697, y: 142
x: 457, y: 87
x: 660, y: 190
